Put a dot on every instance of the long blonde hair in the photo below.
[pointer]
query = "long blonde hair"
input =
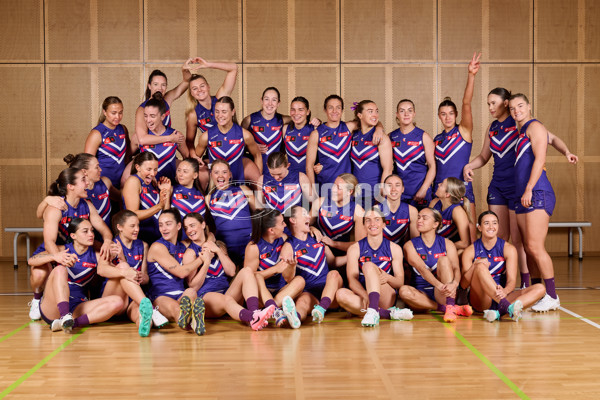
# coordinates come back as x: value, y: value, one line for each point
x: 456, y: 189
x: 190, y: 101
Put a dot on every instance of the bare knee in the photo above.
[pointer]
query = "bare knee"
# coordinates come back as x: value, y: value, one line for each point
x: 115, y: 303
x: 335, y: 276
x: 406, y: 293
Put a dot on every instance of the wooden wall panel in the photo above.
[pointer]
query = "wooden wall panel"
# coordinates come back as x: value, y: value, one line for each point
x: 592, y: 116
x: 591, y: 209
x: 516, y: 78
x: 316, y: 30
x: 260, y: 77
x: 416, y: 83
x: 413, y: 30
x: 120, y: 30
x: 315, y: 83
x: 266, y: 30
x: 22, y: 119
x: 68, y: 32
x: 362, y: 83
x: 592, y: 30
x: 167, y: 30
x: 363, y: 32
x: 563, y: 178
x: 459, y: 31
x: 218, y: 30
x: 21, y: 31
x: 510, y: 30
x: 70, y: 117
x: 556, y: 108
x: 555, y: 30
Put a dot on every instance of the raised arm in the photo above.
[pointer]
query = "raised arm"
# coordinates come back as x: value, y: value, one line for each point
x: 466, y: 122
x: 180, y: 89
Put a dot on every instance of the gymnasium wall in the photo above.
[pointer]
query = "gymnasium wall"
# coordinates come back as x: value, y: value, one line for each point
x: 60, y: 58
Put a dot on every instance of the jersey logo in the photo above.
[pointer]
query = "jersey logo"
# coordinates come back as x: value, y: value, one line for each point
x: 301, y: 252
x: 496, y: 259
x: 258, y: 128
x: 216, y: 144
x: 413, y: 143
x: 423, y: 257
x: 438, y: 255
x: 494, y: 133
x: 88, y: 265
x: 265, y: 256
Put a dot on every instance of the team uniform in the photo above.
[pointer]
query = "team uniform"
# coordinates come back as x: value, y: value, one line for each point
x: 411, y: 163
x: 231, y: 212
x: 149, y: 197
x: 334, y: 149
x: 430, y: 256
x: 134, y: 256
x: 167, y: 118
x: 216, y: 280
x: 229, y: 147
x: 452, y: 153
x: 448, y: 228
x: 311, y: 263
x: 269, y: 257
x: 165, y: 152
x: 296, y: 142
x: 284, y: 194
x: 205, y: 118
x: 503, y: 139
x: 366, y: 165
x: 396, y: 222
x: 337, y: 222
x: 543, y: 197
x: 495, y: 256
x: 99, y: 196
x: 267, y: 132
x: 381, y: 257
x: 162, y: 282
x: 188, y: 200
x: 111, y: 153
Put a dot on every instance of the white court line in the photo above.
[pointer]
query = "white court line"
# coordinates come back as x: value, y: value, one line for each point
x: 595, y: 325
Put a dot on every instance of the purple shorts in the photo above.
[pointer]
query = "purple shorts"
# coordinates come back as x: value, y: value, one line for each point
x: 540, y: 200
x: 501, y: 195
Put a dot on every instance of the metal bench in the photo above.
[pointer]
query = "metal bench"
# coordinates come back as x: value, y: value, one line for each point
x: 18, y: 232
x: 571, y: 225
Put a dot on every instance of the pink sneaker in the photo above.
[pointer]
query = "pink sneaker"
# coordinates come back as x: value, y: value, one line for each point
x: 260, y: 318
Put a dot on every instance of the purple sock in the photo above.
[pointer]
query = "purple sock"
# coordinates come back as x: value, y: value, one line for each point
x: 535, y: 281
x: 268, y: 302
x: 374, y: 300
x: 38, y: 296
x: 298, y: 314
x: 384, y: 313
x: 245, y: 315
x: 252, y: 303
x: 503, y: 306
x: 450, y: 301
x: 326, y: 302
x: 441, y: 308
x: 525, y: 279
x: 63, y: 308
x: 550, y: 288
x: 82, y: 320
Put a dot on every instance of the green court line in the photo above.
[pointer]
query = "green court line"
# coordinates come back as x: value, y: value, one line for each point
x: 3, y: 338
x: 40, y: 364
x: 483, y: 359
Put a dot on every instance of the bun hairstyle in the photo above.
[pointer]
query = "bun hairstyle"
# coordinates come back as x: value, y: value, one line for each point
x: 305, y: 102
x: 107, y: 102
x: 502, y: 92
x: 447, y: 102
x: 66, y: 177
x: 120, y: 218
x: 456, y: 189
x: 262, y: 220
x: 140, y: 159
x: 80, y: 161
x: 157, y: 101
x: 154, y: 73
x: 74, y: 227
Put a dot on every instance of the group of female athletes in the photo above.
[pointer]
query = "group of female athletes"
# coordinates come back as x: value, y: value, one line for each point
x: 293, y: 214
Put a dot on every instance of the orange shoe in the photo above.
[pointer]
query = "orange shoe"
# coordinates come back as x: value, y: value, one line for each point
x: 465, y: 311
x: 450, y: 314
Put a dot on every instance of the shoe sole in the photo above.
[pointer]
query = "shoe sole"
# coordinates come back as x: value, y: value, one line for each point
x: 145, y: 309
x: 263, y: 321
x: 185, y: 308
x: 289, y: 310
x: 67, y: 325
x: 198, y: 315
x: 517, y: 311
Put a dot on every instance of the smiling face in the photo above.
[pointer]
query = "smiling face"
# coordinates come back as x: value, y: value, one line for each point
x: 93, y: 171
x: 199, y: 89
x: 223, y: 114
x: 194, y: 229
x: 488, y: 226
x: 299, y: 113
x: 113, y: 114
x: 279, y: 226
x: 520, y: 109
x: 394, y: 188
x: 130, y: 228
x: 374, y: 223
x: 341, y: 190
x: 158, y: 84
x: 369, y: 115
x: 426, y: 221
x: 447, y: 116
x: 334, y: 110
x: 405, y: 113
x: 300, y: 221
x: 220, y: 175
x: 270, y: 102
x: 496, y: 105
x: 80, y: 185
x: 186, y: 174
x: 168, y: 226
x: 84, y: 235
x: 153, y: 118
x: 147, y: 171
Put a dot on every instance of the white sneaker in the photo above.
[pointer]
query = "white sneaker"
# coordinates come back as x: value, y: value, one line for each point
x: 34, y: 310
x: 289, y: 310
x: 491, y: 315
x: 371, y: 318
x: 65, y: 323
x: 401, y: 314
x: 547, y: 303
x: 158, y: 320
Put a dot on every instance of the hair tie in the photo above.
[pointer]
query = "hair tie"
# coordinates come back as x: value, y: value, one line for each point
x: 353, y: 107
x: 462, y: 199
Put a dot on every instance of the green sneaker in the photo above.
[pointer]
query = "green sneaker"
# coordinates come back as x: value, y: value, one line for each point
x: 515, y: 310
x: 491, y: 315
x: 198, y: 317
x: 318, y: 314
x: 185, y: 313
x: 146, y: 310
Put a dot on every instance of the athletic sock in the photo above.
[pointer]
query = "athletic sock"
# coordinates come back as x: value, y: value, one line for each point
x: 525, y: 279
x: 441, y: 308
x: 268, y: 303
x: 503, y: 306
x: 63, y: 308
x: 536, y: 281
x: 450, y: 301
x: 82, y: 320
x: 374, y: 300
x: 38, y: 296
x: 550, y: 288
x: 325, y: 302
x: 245, y: 315
x: 252, y: 303
x: 384, y: 313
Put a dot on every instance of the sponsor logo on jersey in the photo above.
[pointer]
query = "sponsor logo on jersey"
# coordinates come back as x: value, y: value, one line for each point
x: 88, y: 265
x: 109, y: 140
x: 216, y: 143
x: 344, y: 134
x: 265, y: 256
x: 325, y: 139
x: 438, y: 255
x: 385, y: 258
x: 497, y: 259
x: 423, y: 256
x: 235, y: 141
x: 290, y: 187
x: 301, y: 252
x: 138, y: 257
x: 365, y: 259
x: 102, y: 196
x: 258, y: 128
x: 493, y: 133
x: 413, y: 143
x: 290, y: 138
x: 345, y: 218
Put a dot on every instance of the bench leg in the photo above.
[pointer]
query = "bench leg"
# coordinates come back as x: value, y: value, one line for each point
x: 580, y: 243
x: 15, y: 249
x: 570, y: 242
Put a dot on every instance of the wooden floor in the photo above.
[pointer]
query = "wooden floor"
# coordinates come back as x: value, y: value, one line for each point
x: 545, y: 356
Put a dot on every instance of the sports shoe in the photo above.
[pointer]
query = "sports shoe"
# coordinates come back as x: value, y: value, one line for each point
x: 65, y: 323
x: 185, y: 313
x: 289, y: 310
x: 279, y: 317
x: 491, y: 315
x: 260, y: 317
x: 450, y: 314
x: 371, y: 318
x: 158, y: 320
x: 400, y: 314
x: 464, y: 310
x: 145, y: 309
x: 462, y: 295
x: 515, y: 310
x: 34, y: 309
x: 547, y: 303
x: 318, y: 314
x: 198, y: 317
